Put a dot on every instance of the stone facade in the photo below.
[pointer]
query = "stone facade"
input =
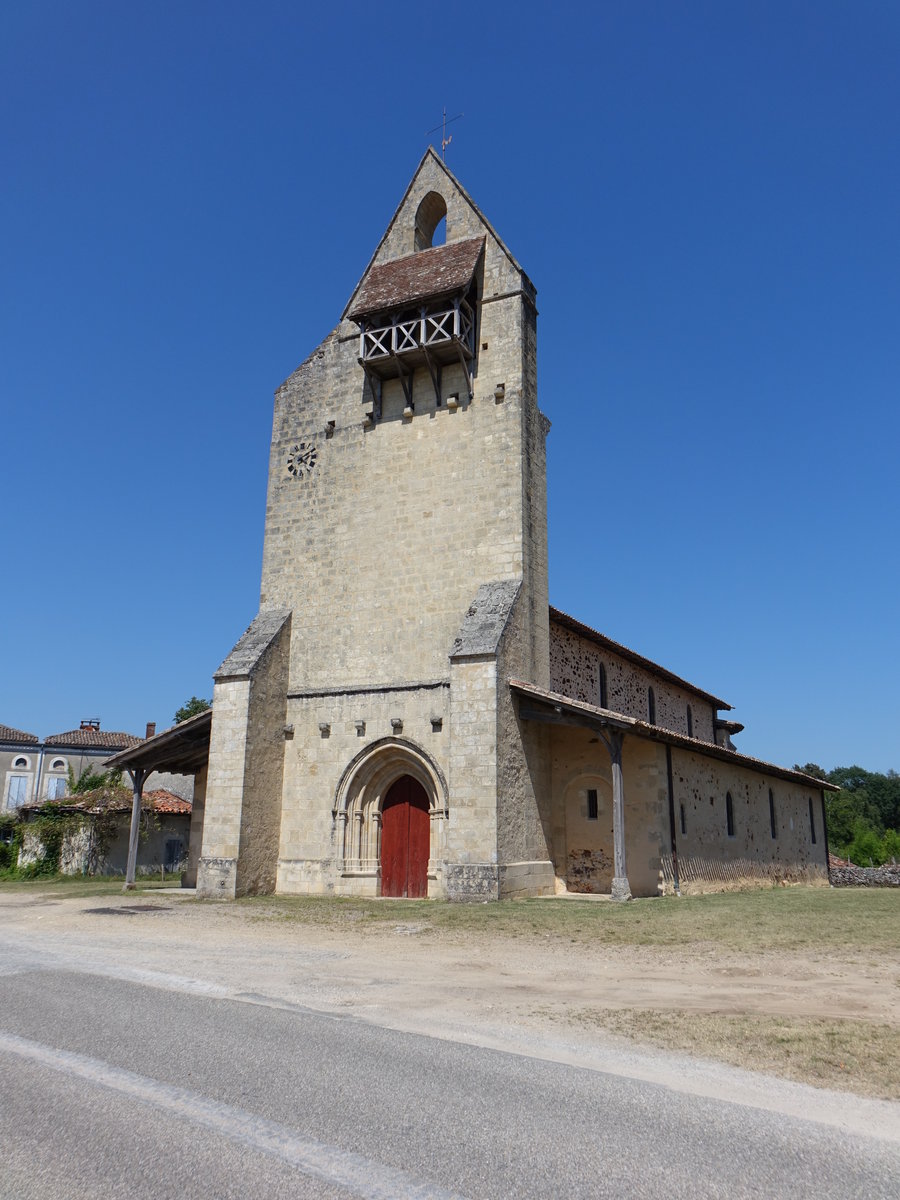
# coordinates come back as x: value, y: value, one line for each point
x: 404, y: 586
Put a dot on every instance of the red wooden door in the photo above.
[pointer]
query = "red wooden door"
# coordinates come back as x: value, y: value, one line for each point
x: 405, y: 840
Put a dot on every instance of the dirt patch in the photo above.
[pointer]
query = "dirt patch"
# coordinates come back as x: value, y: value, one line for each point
x: 831, y: 1053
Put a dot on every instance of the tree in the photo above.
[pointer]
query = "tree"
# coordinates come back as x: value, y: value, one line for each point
x: 864, y: 816
x: 91, y: 780
x: 812, y: 769
x: 191, y: 708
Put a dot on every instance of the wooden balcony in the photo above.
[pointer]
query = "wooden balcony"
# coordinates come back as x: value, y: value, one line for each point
x: 395, y: 345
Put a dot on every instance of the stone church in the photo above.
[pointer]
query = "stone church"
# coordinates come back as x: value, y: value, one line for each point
x: 407, y: 715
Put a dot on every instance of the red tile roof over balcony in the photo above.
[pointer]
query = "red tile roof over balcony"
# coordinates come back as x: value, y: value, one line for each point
x: 429, y: 274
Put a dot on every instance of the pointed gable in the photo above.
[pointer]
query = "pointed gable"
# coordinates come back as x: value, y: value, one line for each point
x: 433, y: 189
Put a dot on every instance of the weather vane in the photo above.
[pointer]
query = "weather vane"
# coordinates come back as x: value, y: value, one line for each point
x: 445, y: 141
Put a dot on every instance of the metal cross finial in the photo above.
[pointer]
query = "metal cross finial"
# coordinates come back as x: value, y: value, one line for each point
x: 445, y: 141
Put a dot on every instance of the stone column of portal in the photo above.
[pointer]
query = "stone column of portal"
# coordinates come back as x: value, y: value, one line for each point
x: 620, y: 887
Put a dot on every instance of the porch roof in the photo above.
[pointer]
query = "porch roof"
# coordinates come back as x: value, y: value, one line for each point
x: 183, y: 749
x: 555, y: 709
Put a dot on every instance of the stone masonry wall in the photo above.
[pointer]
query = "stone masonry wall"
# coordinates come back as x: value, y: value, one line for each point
x: 575, y: 671
x: 383, y: 544
x: 582, y: 846
x: 217, y: 869
x: 264, y: 768
x: 329, y: 731
x: 472, y: 869
x: 710, y: 859
x: 523, y: 785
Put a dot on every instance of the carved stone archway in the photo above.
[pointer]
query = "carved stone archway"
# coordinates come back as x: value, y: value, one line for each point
x: 359, y: 800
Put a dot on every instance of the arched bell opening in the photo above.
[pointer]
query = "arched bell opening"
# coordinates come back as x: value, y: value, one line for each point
x: 429, y: 216
x: 392, y: 788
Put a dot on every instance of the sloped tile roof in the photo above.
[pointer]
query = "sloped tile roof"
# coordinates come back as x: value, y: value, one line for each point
x: 118, y: 800
x: 99, y: 739
x: 8, y: 734
x: 438, y: 271
x: 164, y: 801
x: 605, y: 716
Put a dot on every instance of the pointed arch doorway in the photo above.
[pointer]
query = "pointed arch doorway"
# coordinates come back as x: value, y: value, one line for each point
x: 405, y: 839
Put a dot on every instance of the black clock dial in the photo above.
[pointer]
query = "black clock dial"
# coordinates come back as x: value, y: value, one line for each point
x: 302, y: 459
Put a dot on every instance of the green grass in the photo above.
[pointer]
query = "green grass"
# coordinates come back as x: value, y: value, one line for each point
x: 77, y: 885
x: 776, y: 919
x: 797, y: 918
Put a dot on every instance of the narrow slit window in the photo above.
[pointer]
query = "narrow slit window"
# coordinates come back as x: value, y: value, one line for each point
x: 772, y: 822
x: 690, y: 721
x: 729, y: 814
x: 592, y: 806
x: 604, y: 687
x: 812, y: 822
x: 683, y: 821
x: 651, y: 706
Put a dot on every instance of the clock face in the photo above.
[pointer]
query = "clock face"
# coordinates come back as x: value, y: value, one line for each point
x: 302, y: 459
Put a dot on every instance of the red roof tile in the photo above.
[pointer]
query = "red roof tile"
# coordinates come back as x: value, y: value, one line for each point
x: 93, y: 738
x: 167, y: 802
x: 8, y: 734
x: 439, y: 271
x: 119, y: 800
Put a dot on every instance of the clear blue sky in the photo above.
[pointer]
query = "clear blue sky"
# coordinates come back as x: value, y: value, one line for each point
x: 706, y: 196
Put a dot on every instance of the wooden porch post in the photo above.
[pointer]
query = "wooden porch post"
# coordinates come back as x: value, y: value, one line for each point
x: 620, y: 887
x: 138, y: 775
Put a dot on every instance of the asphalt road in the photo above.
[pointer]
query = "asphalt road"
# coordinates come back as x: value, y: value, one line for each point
x: 117, y: 1088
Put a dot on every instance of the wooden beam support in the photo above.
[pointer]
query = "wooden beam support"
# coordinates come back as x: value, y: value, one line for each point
x: 466, y: 369
x: 406, y: 380
x: 375, y: 388
x: 597, y: 725
x: 138, y: 778
x: 435, y: 371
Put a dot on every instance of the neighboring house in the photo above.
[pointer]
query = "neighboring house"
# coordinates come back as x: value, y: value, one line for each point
x: 20, y: 754
x: 34, y: 771
x: 98, y: 843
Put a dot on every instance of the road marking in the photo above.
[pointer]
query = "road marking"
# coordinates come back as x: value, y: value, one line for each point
x: 363, y: 1176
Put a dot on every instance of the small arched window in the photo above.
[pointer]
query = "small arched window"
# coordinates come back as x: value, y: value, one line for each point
x: 604, y: 687
x: 21, y: 762
x: 729, y: 814
x: 690, y: 721
x: 58, y: 764
x: 772, y: 823
x: 651, y: 706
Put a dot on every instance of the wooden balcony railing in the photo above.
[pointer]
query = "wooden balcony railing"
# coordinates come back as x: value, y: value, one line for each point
x: 409, y: 333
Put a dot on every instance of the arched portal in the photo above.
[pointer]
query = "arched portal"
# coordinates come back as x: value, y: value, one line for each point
x: 405, y: 839
x: 380, y: 779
